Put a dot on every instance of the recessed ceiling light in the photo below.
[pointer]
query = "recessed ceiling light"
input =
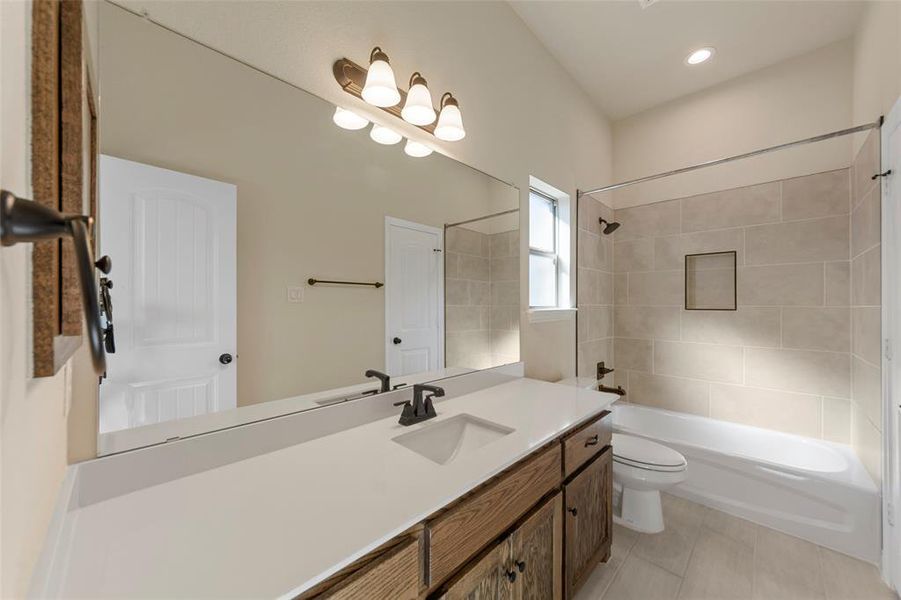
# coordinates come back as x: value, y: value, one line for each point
x: 700, y: 55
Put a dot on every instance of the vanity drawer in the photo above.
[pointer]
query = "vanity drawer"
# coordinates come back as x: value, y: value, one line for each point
x: 393, y: 575
x: 468, y: 526
x: 584, y: 443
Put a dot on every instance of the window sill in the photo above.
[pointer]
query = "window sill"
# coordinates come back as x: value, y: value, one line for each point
x: 542, y: 315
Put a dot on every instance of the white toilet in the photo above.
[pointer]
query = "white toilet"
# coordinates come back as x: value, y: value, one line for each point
x: 641, y: 468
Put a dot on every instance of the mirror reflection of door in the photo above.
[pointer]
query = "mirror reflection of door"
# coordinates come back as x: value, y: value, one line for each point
x: 414, y: 297
x: 171, y: 237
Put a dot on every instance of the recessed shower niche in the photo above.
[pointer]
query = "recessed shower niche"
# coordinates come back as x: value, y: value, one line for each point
x: 710, y: 281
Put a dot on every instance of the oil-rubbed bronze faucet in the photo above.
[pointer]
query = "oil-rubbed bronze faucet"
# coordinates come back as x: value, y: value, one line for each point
x: 422, y: 409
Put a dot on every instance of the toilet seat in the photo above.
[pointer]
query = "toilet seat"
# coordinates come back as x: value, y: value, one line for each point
x: 647, y: 455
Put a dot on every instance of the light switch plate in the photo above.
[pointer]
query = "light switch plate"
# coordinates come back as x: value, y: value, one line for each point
x: 295, y: 294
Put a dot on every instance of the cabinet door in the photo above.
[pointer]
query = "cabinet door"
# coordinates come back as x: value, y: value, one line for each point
x: 485, y: 579
x: 589, y: 520
x: 537, y: 556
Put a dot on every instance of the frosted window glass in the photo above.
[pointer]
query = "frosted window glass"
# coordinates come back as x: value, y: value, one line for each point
x: 542, y: 281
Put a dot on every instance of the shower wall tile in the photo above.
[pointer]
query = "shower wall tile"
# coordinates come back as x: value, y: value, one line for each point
x: 649, y: 220
x: 593, y: 352
x: 594, y: 332
x: 600, y: 322
x: 866, y: 333
x: 866, y: 223
x: 866, y: 439
x: 823, y: 239
x: 838, y: 283
x: 783, y: 359
x: 732, y: 208
x: 817, y: 328
x: 590, y: 213
x: 504, y: 244
x: 588, y: 287
x: 592, y: 251
x: 820, y: 195
x: 866, y: 164
x: 867, y: 389
x: 748, y: 326
x: 671, y: 393
x: 837, y: 420
x: 782, y: 411
x: 806, y: 371
x: 866, y: 275
x: 635, y: 255
x: 466, y: 241
x: 649, y: 322
x: 466, y: 318
x: 632, y: 354
x: 504, y: 318
x: 506, y: 268
x: 656, y: 288
x: 781, y: 285
x: 710, y: 362
x: 473, y: 267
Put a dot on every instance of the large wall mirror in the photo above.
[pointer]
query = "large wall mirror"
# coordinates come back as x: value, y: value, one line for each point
x: 223, y: 191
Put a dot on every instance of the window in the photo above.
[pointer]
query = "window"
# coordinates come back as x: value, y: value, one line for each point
x: 543, y: 250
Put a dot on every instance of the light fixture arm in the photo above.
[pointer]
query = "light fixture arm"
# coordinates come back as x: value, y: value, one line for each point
x: 378, y: 54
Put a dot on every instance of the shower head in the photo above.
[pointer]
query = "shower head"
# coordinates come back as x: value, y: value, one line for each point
x: 609, y: 227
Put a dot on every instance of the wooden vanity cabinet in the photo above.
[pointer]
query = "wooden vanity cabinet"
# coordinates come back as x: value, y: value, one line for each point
x: 588, y: 500
x: 522, y: 566
x: 393, y: 573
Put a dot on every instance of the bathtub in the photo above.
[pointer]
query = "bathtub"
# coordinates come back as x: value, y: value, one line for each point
x: 815, y: 490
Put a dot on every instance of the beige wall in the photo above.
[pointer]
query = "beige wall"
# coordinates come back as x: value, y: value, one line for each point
x: 794, y: 99
x: 866, y: 307
x: 524, y: 114
x: 32, y: 411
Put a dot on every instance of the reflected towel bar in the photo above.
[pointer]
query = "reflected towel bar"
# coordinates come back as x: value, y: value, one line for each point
x: 28, y: 221
x: 375, y: 284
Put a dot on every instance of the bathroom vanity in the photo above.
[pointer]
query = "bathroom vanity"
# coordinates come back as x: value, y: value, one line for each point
x: 536, y: 530
x: 326, y: 504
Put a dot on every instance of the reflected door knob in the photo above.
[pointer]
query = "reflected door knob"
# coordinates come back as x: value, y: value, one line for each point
x: 225, y: 358
x: 396, y: 340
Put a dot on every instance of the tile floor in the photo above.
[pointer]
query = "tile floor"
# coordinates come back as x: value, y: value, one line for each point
x: 707, y: 554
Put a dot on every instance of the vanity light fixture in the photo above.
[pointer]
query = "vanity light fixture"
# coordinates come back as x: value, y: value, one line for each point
x: 380, y: 88
x: 700, y: 55
x: 384, y: 135
x: 348, y: 119
x: 418, y: 108
x: 450, y: 120
x: 416, y: 149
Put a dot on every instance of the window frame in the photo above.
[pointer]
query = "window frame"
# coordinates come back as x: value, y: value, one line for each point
x: 554, y: 254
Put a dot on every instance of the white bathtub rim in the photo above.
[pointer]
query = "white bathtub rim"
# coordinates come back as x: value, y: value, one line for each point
x: 855, y: 475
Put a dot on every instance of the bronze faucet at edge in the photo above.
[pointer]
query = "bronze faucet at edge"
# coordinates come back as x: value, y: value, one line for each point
x: 601, y: 372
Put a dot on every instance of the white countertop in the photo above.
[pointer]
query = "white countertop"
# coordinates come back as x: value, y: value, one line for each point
x: 276, y: 524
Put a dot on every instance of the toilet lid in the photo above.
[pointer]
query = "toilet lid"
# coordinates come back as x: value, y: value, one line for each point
x: 645, y: 454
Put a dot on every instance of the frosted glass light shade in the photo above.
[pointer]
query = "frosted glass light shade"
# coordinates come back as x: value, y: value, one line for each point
x: 384, y: 135
x: 380, y: 88
x: 418, y: 108
x: 450, y: 124
x: 348, y: 119
x: 416, y: 149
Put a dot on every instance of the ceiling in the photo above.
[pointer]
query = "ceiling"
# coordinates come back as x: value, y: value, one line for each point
x: 629, y: 59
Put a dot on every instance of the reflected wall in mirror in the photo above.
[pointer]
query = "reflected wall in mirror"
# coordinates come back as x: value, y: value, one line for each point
x: 222, y: 192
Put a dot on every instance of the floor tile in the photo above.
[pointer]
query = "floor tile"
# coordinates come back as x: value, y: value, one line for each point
x: 733, y: 528
x: 847, y: 578
x: 638, y: 579
x: 600, y: 579
x: 671, y: 549
x: 786, y: 567
x: 623, y: 539
x: 720, y: 568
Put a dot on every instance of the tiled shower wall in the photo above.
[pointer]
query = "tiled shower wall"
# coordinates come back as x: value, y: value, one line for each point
x: 481, y: 298
x: 866, y: 299
x: 782, y: 360
x: 595, y: 287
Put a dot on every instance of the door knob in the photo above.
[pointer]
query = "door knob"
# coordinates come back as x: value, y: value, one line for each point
x: 225, y: 358
x: 397, y: 340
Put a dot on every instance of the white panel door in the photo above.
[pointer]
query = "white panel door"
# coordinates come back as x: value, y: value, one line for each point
x: 414, y: 297
x: 171, y: 237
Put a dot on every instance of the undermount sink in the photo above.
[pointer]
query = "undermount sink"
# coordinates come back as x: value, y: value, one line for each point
x: 444, y: 441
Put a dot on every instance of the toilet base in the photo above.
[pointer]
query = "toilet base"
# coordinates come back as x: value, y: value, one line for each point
x: 640, y: 510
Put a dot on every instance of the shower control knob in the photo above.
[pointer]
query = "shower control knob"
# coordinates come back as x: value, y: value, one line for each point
x: 396, y: 341
x: 225, y: 358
